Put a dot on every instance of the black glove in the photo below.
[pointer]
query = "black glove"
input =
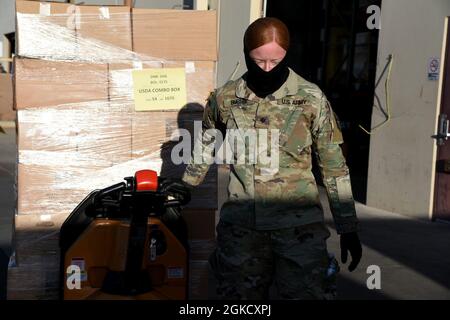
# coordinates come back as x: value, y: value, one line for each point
x: 177, y: 188
x: 350, y: 242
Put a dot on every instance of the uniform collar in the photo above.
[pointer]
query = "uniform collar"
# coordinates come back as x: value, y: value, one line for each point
x: 289, y: 88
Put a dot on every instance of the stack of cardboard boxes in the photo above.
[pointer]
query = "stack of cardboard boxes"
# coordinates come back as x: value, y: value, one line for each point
x: 78, y: 129
x: 6, y: 98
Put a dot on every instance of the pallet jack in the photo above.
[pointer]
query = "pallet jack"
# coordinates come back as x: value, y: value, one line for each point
x: 117, y: 244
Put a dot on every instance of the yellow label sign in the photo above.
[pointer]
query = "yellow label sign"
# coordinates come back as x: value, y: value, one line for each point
x: 159, y: 89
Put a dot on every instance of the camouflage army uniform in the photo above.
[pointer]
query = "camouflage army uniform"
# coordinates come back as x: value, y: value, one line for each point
x: 275, y: 221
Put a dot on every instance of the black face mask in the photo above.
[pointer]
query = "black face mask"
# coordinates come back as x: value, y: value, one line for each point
x: 261, y: 82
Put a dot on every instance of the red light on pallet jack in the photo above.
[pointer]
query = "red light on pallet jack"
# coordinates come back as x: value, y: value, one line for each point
x: 146, y: 180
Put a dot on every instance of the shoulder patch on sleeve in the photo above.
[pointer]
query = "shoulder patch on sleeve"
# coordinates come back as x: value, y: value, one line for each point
x: 337, y: 133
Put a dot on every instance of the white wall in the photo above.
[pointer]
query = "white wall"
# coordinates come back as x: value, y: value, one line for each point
x: 402, y: 153
x: 159, y: 4
x: 7, y: 20
x: 234, y: 18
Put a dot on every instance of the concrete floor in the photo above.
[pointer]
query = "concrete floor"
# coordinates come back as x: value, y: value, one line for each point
x: 413, y: 255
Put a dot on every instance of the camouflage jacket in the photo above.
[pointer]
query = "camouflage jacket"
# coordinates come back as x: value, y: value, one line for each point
x: 271, y: 197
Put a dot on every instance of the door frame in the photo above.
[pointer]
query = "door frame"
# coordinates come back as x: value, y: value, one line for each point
x: 444, y: 81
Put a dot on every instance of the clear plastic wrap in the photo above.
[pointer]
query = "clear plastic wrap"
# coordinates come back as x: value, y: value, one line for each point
x: 61, y: 161
x: 112, y: 34
x: 78, y: 129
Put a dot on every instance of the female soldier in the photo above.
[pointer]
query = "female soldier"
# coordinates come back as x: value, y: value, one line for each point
x: 271, y: 228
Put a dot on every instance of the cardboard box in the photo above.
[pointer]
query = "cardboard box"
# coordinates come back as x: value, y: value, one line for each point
x: 52, y: 189
x: 84, y: 132
x: 199, y: 280
x: 6, y: 98
x: 54, y: 84
x: 45, y: 29
x: 153, y: 129
x: 108, y: 26
x: 36, y: 274
x: 62, y: 31
x: 52, y: 9
x: 175, y: 34
x: 120, y: 81
x: 151, y: 140
x: 152, y: 132
x: 148, y: 134
x: 200, y: 80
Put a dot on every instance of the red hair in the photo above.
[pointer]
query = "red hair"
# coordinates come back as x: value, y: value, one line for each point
x: 266, y: 30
